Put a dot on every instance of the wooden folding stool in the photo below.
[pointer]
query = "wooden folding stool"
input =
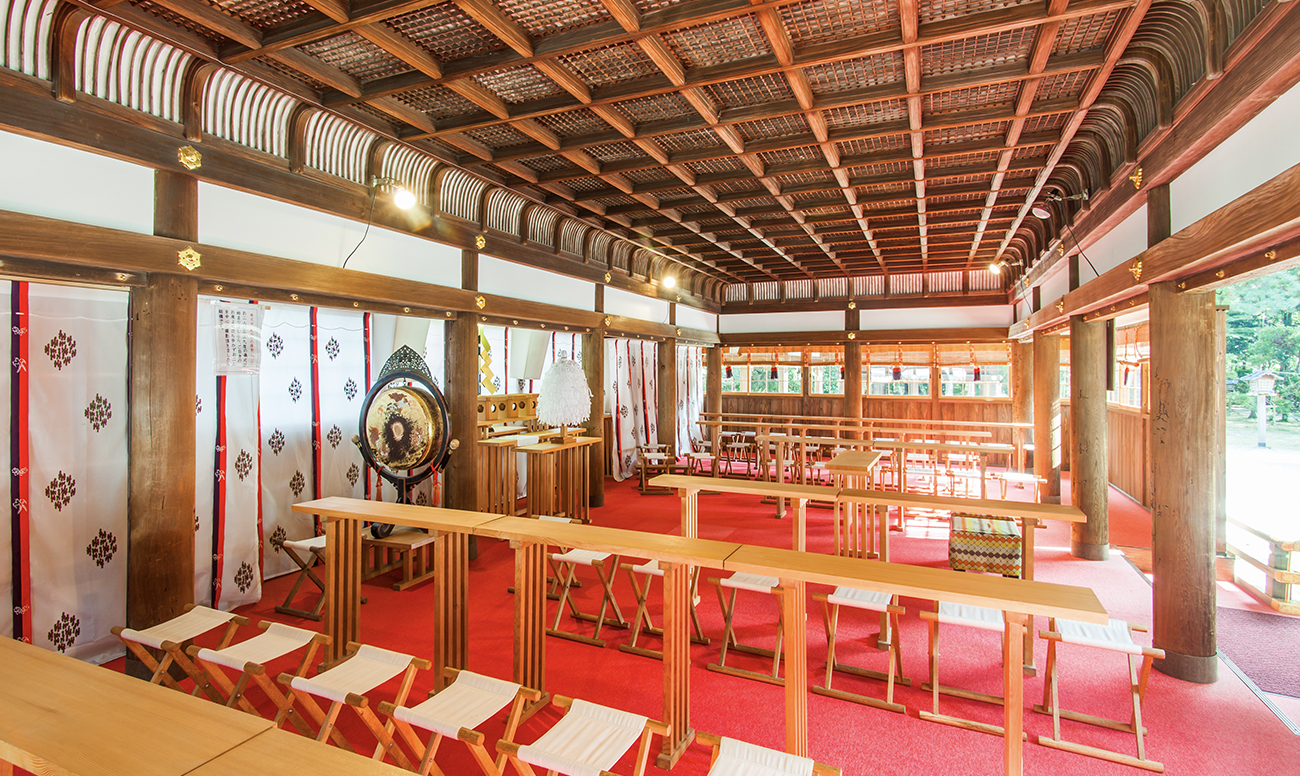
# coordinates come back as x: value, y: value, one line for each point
x: 870, y: 601
x: 250, y: 658
x: 651, y: 569
x: 605, y: 564
x: 346, y: 683
x: 758, y: 584
x: 974, y: 617
x: 171, y: 636
x: 737, y: 758
x: 455, y: 711
x: 306, y: 553
x: 1114, y: 636
x: 587, y: 739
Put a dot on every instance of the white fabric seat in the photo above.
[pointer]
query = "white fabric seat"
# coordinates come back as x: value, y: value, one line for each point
x: 1114, y: 635
x: 971, y: 616
x: 589, y: 739
x: 737, y: 758
x: 580, y: 557
x: 887, y: 638
x: 277, y: 641
x: 187, y: 626
x: 363, y: 672
x: 305, y: 545
x: 860, y: 599
x: 755, y: 582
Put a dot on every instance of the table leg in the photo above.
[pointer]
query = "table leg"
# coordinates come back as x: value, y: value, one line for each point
x: 690, y: 513
x: 800, y: 539
x: 983, y: 466
x: 1013, y: 693
x: 1028, y: 529
x: 841, y: 535
x: 342, y: 616
x: 677, y: 662
x: 780, y: 476
x: 451, y: 604
x: 530, y: 620
x: 794, y: 622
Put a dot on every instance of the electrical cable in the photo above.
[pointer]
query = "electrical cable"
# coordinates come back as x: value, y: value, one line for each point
x: 374, y: 192
x: 1078, y: 245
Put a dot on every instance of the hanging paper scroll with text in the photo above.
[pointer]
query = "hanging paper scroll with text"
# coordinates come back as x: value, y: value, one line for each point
x: 237, y: 338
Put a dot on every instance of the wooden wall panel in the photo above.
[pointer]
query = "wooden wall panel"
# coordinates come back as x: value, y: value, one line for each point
x: 909, y: 408
x: 1129, y: 461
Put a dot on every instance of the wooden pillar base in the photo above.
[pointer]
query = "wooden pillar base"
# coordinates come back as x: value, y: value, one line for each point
x: 1189, y: 668
x: 1089, y: 551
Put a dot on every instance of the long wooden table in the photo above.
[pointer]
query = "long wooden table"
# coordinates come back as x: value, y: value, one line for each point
x: 1020, y: 599
x: 980, y: 451
x: 59, y: 715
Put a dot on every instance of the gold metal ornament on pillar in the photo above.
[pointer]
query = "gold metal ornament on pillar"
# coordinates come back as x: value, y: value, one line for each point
x: 189, y: 157
x: 189, y: 258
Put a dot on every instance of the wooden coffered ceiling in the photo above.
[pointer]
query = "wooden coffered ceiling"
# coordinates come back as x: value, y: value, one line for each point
x: 754, y: 140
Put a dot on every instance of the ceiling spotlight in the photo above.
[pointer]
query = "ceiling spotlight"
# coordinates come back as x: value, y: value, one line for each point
x: 669, y: 281
x: 1041, y: 212
x: 403, y: 198
x: 996, y: 268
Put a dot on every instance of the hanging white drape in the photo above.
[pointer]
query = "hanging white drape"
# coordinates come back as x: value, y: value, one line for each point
x: 341, y: 382
x: 690, y: 397
x: 631, y: 374
x: 76, y: 485
x: 285, y: 396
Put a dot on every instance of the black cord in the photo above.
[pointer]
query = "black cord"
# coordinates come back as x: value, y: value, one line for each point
x: 374, y: 191
x: 1076, y: 244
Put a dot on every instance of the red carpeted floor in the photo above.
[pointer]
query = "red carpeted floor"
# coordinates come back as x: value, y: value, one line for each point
x: 1194, y: 729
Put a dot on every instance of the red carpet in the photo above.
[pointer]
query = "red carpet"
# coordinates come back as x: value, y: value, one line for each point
x: 1194, y: 729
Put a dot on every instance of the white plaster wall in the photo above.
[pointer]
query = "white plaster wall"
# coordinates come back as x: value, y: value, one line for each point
x: 45, y: 179
x: 696, y: 318
x: 936, y: 317
x: 828, y: 320
x: 1116, y: 247
x: 233, y: 219
x: 628, y: 304
x: 1057, y: 284
x: 1268, y: 145
x: 519, y: 281
x: 1022, y: 310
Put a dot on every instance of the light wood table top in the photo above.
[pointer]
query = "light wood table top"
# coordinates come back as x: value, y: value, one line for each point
x: 834, y: 419
x: 813, y: 440
x: 283, y: 753
x: 979, y: 506
x: 59, y: 715
x: 410, y: 515
x: 854, y: 462
x: 750, y: 487
x: 950, y: 447
x: 849, y: 429
x: 1043, y: 599
x: 550, y: 447
x: 637, y: 544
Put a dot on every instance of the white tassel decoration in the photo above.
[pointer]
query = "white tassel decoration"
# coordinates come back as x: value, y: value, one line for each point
x: 565, y: 399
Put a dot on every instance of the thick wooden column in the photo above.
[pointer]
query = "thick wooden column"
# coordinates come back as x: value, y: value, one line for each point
x: 667, y: 401
x: 460, y: 478
x: 1047, y: 414
x: 1183, y: 394
x: 1022, y: 396
x: 593, y: 366
x: 160, y: 502
x: 1221, y: 431
x: 853, y: 383
x: 1089, y: 447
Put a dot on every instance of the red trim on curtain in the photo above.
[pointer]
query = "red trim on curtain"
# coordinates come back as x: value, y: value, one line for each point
x: 20, y: 474
x: 365, y: 333
x: 315, y: 416
x: 219, y: 496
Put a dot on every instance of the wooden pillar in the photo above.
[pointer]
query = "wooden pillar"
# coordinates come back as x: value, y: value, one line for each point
x: 1221, y: 431
x: 713, y: 369
x: 1022, y: 396
x: 1047, y: 414
x: 1089, y: 451
x: 460, y: 478
x: 1183, y: 393
x: 853, y: 383
x: 160, y: 501
x: 667, y: 401
x: 593, y: 366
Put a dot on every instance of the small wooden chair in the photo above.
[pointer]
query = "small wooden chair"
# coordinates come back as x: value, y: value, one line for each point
x: 469, y: 701
x: 346, y: 683
x: 758, y: 584
x: 1115, y: 636
x: 171, y: 636
x: 250, y: 658
x: 870, y: 601
x: 566, y: 565
x: 651, y: 569
x: 588, y: 739
x: 972, y: 617
x: 305, y: 553
x: 737, y: 758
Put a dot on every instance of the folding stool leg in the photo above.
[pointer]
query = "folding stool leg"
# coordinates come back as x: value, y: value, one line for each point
x: 606, y: 582
x: 285, y: 706
x: 322, y: 720
x: 328, y: 720
x: 729, y: 640
x: 699, y: 637
x: 832, y: 619
x: 305, y: 573
x: 382, y: 733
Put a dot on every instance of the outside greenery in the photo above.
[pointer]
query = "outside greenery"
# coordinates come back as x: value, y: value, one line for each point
x: 1264, y: 333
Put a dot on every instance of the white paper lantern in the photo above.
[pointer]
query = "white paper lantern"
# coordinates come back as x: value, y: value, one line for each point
x: 565, y: 399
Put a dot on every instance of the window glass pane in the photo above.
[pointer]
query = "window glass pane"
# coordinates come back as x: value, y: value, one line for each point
x: 789, y: 379
x: 825, y: 379
x: 913, y: 381
x: 1128, y: 386
x: 994, y: 381
x: 738, y: 381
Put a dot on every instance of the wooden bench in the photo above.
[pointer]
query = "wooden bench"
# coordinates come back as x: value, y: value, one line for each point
x: 408, y: 549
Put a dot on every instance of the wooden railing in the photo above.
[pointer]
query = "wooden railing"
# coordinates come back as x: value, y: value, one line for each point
x: 1278, y: 564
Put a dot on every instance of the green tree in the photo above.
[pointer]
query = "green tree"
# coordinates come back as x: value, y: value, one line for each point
x: 1263, y: 332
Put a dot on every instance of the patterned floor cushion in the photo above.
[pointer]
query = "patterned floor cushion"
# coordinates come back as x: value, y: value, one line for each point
x: 984, y: 543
